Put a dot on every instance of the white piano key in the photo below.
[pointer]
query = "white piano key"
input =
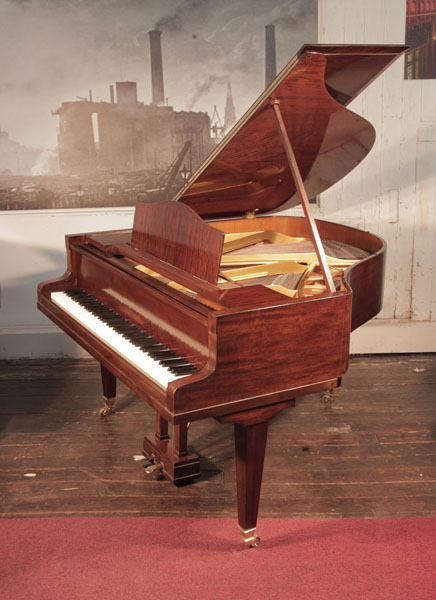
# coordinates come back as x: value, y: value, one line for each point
x: 137, y: 357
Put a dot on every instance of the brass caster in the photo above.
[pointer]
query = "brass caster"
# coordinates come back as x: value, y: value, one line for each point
x: 148, y: 462
x: 255, y: 542
x: 327, y: 397
x: 108, y: 407
x: 250, y: 538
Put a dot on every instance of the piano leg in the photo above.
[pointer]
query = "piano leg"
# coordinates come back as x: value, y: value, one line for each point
x: 250, y: 444
x: 251, y: 429
x: 109, y: 382
x: 170, y: 456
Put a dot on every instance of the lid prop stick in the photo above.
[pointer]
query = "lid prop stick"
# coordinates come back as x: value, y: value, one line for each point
x: 275, y: 104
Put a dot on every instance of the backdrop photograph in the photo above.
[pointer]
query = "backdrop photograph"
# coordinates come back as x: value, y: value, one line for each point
x: 107, y: 103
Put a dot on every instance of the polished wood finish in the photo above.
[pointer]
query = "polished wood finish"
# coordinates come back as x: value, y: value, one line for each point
x: 203, y: 288
x: 350, y: 69
x: 302, y: 194
x: 283, y: 348
x: 250, y: 444
x: 251, y: 430
x: 249, y: 171
x: 161, y: 428
x: 179, y: 237
x: 109, y: 383
x: 172, y: 456
x: 254, y: 348
x: 365, y: 277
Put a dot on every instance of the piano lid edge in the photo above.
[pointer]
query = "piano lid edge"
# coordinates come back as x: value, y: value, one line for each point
x: 365, y: 61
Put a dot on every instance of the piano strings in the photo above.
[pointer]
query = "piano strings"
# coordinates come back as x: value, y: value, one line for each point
x: 286, y: 264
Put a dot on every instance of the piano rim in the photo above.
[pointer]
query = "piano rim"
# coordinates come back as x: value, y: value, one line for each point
x: 155, y: 395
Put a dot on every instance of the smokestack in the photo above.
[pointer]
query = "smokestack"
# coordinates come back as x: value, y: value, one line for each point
x: 157, y: 85
x: 270, y: 54
x: 111, y: 92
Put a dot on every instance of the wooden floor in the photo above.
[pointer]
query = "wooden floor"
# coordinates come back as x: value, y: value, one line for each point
x: 371, y: 453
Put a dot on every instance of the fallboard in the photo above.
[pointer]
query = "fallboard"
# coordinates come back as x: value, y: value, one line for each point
x: 183, y: 330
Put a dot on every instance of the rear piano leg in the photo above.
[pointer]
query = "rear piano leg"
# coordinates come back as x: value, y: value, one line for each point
x: 109, y: 382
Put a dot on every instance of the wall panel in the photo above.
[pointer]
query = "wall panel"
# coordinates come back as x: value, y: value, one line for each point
x: 396, y: 184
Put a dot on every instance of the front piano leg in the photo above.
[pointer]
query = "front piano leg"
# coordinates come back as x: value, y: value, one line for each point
x: 250, y: 444
x: 109, y: 382
x: 251, y: 429
x: 170, y: 456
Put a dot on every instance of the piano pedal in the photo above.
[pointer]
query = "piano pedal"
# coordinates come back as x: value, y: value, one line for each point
x: 108, y: 407
x: 328, y: 397
x: 156, y: 470
x: 148, y: 462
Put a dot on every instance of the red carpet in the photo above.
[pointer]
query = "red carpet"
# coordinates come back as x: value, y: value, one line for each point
x: 164, y: 558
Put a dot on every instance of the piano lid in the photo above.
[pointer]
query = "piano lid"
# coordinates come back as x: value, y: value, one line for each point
x: 248, y: 171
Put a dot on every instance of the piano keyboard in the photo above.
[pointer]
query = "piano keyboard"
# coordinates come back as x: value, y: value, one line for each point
x: 147, y: 354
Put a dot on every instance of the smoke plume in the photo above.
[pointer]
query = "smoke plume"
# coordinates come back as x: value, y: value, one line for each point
x: 61, y: 49
x: 202, y: 87
x: 175, y: 19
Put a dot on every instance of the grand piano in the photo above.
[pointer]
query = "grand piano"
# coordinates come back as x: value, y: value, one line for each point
x: 213, y: 306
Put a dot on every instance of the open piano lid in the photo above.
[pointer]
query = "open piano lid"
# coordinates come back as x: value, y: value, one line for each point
x: 248, y: 171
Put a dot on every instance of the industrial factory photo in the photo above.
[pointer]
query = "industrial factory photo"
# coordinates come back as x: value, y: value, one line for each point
x: 119, y: 102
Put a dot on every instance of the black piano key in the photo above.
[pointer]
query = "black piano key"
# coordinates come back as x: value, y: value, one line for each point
x: 163, y: 353
x: 183, y: 370
x: 175, y: 362
x: 158, y: 351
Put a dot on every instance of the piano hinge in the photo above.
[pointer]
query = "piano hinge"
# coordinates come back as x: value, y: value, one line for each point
x: 251, y: 213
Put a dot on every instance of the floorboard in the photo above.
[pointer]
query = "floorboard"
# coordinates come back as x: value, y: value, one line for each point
x: 370, y: 453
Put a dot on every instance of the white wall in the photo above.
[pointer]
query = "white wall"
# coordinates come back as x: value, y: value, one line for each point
x: 32, y: 249
x: 393, y: 193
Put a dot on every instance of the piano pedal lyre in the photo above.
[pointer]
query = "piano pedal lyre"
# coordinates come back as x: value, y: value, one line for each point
x: 169, y: 458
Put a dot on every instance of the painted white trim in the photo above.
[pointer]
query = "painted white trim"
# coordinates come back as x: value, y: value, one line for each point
x: 38, y: 342
x: 28, y: 329
x: 53, y: 212
x: 388, y: 336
